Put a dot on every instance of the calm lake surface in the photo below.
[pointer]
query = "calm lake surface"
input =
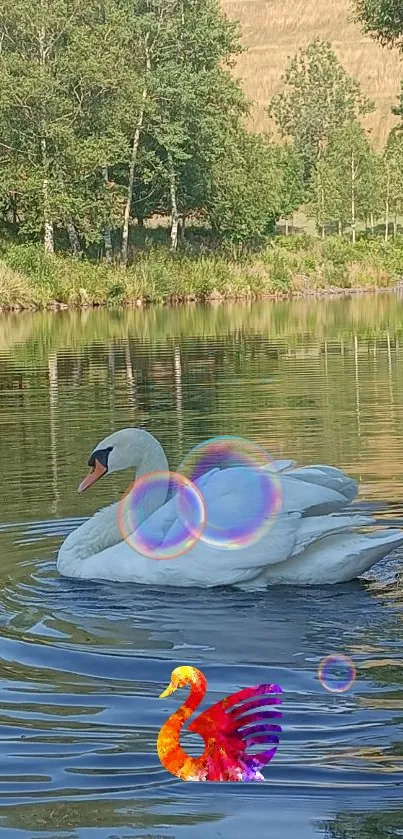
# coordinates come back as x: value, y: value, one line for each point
x: 82, y: 664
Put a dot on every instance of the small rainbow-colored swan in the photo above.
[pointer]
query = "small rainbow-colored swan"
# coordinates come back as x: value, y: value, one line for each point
x: 229, y: 728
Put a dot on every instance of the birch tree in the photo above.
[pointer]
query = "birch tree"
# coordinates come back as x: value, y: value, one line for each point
x: 393, y: 180
x: 341, y: 185
x: 62, y: 67
x: 197, y: 102
x: 317, y: 98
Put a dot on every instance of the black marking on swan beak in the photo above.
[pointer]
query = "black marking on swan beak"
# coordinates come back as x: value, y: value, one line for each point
x: 101, y: 455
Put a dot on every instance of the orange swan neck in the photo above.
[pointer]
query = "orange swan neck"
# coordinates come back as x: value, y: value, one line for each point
x: 171, y: 754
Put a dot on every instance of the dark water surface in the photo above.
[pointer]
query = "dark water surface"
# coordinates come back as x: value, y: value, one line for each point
x: 82, y: 664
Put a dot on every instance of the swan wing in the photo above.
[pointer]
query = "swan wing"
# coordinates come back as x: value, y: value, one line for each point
x: 338, y: 558
x: 237, y: 725
x: 282, y: 465
x: 310, y: 498
x: 314, y: 529
x: 329, y: 477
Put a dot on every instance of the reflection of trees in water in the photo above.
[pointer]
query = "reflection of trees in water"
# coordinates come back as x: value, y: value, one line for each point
x: 380, y: 825
x: 315, y: 380
x: 35, y: 334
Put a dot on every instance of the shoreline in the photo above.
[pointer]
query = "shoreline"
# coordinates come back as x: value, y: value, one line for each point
x: 284, y: 269
x: 212, y: 299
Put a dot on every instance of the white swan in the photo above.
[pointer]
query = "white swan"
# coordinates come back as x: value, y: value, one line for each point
x: 307, y: 545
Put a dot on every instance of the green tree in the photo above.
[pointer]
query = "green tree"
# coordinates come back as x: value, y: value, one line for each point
x: 247, y: 192
x: 196, y: 101
x: 293, y: 189
x: 373, y: 200
x: 392, y: 181
x: 61, y: 66
x: 341, y: 185
x: 318, y: 97
x: 112, y: 109
x: 383, y: 19
x: 325, y: 202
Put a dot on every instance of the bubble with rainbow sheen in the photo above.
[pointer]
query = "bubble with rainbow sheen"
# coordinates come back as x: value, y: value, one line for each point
x: 243, y: 499
x: 179, y: 529
x: 337, y: 673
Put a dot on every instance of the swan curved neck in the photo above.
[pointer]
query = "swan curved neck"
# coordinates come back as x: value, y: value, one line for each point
x: 144, y: 453
x: 171, y: 754
x: 147, y: 455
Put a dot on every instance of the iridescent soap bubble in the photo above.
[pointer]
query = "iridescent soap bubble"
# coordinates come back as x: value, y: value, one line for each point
x: 336, y: 672
x: 244, y: 496
x: 162, y: 515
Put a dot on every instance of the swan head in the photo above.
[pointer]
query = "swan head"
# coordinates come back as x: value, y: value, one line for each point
x: 182, y: 676
x: 129, y: 447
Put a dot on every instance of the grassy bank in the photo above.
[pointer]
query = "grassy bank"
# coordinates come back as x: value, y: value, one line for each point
x: 286, y: 266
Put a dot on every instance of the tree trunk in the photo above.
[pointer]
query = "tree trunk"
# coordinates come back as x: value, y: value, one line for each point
x: 73, y: 238
x: 322, y: 196
x: 372, y: 224
x: 340, y: 229
x: 14, y: 213
x: 182, y: 227
x: 395, y: 227
x: 133, y: 160
x: 174, y: 205
x: 353, y: 218
x: 107, y: 231
x: 130, y: 377
x: 132, y: 167
x: 140, y: 221
x: 287, y: 224
x: 48, y: 239
x: 387, y: 206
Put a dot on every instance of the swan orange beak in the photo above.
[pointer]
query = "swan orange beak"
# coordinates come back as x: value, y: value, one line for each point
x: 170, y: 689
x: 96, y: 473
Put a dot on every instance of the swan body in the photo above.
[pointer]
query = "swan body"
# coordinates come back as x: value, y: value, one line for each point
x: 228, y: 729
x: 313, y: 541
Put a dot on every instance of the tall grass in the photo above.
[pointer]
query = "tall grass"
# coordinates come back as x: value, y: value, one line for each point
x: 286, y: 266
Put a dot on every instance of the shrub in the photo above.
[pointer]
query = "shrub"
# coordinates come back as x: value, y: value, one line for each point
x: 280, y: 272
x: 15, y: 289
x: 338, y: 251
x: 31, y: 260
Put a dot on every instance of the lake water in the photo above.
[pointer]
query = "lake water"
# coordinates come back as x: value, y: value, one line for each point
x: 82, y: 664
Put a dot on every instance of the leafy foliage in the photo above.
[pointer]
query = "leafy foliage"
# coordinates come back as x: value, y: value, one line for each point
x: 318, y: 98
x: 249, y: 189
x: 116, y: 110
x: 393, y: 171
x: 383, y: 19
x: 342, y: 188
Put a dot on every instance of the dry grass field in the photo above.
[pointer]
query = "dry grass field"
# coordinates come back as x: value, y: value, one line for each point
x: 273, y: 31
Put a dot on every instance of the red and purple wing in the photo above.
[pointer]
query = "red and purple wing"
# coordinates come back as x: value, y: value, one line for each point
x: 238, y: 727
x: 256, y: 727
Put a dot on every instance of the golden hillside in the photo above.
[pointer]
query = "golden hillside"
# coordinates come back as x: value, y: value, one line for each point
x: 273, y: 31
